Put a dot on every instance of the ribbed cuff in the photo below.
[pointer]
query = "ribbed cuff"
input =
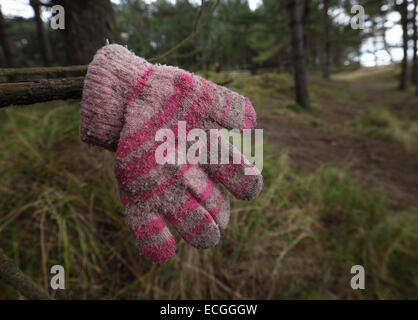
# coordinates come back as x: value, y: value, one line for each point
x: 110, y: 78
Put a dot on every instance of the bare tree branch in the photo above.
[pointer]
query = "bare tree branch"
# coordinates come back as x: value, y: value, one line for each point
x: 23, y: 93
x: 51, y: 71
x: 12, y: 275
x: 30, y: 92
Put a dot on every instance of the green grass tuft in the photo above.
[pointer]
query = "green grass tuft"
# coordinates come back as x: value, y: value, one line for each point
x: 384, y: 125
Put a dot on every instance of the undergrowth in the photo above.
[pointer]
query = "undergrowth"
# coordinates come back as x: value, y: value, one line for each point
x: 298, y: 239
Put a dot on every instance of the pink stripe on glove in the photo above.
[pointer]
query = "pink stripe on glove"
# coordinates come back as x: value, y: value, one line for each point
x: 126, y: 100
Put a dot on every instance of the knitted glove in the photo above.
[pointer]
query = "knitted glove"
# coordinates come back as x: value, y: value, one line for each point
x: 126, y: 100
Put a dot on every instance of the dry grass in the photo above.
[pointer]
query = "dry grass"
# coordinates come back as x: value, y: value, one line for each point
x: 364, y: 72
x: 383, y: 124
x: 299, y: 239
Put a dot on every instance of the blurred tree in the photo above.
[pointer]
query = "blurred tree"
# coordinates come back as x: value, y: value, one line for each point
x: 5, y: 43
x: 327, y: 41
x: 42, y: 36
x: 24, y: 41
x: 171, y: 23
x: 232, y: 32
x: 296, y: 36
x: 134, y: 19
x: 268, y: 36
x: 88, y: 24
x: 415, y: 46
x: 403, y: 10
x: 377, y: 15
x: 236, y: 37
x: 306, y: 18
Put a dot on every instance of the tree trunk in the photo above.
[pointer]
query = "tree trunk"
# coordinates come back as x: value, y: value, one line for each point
x: 403, y: 81
x: 306, y: 23
x: 327, y: 40
x: 415, y: 39
x: 296, y: 36
x: 5, y: 44
x: 42, y: 37
x: 88, y: 24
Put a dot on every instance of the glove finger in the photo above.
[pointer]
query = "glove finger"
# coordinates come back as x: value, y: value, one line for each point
x: 232, y: 110
x: 194, y: 223
x: 152, y: 236
x: 209, y: 194
x: 239, y: 176
x: 164, y: 189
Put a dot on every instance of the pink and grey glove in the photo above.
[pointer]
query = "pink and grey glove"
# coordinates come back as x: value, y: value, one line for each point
x: 126, y: 100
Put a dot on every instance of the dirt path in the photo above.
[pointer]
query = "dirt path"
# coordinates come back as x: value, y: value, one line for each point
x: 383, y: 164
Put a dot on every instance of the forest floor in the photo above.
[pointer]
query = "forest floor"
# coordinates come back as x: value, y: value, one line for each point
x: 340, y: 190
x: 359, y: 121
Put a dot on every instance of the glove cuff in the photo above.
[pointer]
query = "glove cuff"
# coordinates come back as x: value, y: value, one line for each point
x: 110, y: 80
